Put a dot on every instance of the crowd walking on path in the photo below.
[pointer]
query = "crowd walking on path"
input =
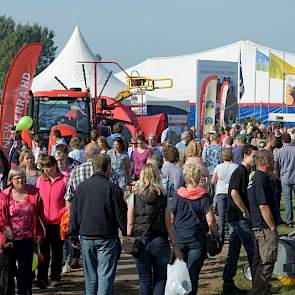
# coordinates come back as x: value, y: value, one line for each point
x: 159, y: 200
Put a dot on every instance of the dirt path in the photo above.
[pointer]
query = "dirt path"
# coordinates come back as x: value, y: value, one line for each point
x: 127, y: 280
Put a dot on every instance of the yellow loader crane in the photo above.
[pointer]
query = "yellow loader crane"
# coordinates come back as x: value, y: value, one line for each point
x: 143, y: 83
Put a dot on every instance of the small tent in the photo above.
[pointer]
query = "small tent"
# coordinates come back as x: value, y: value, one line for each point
x: 69, y: 71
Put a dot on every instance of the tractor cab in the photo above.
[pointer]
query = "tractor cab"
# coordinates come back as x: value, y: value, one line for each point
x: 73, y: 108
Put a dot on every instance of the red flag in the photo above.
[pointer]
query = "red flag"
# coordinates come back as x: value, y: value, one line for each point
x: 16, y: 89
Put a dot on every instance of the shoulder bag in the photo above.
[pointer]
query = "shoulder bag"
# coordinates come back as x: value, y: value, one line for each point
x: 214, y: 246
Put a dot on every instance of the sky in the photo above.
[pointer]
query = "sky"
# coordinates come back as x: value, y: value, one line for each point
x: 130, y: 31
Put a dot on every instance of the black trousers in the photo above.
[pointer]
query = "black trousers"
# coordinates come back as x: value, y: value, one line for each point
x: 51, y: 242
x: 22, y: 253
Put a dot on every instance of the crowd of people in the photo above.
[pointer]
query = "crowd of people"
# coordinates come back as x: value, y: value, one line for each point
x: 73, y: 200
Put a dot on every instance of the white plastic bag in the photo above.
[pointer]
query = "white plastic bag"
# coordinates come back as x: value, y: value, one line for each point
x: 178, y: 280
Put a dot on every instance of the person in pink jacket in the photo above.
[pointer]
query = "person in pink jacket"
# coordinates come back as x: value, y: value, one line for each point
x: 21, y: 226
x: 52, y: 185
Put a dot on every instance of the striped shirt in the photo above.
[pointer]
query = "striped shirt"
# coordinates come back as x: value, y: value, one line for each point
x: 79, y: 174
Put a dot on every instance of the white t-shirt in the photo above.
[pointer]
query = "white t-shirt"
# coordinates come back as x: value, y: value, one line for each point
x: 224, y: 172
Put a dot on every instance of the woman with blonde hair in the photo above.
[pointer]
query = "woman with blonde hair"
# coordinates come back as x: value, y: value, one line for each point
x: 193, y: 156
x: 21, y: 216
x: 192, y: 201
x: 26, y: 160
x: 146, y: 219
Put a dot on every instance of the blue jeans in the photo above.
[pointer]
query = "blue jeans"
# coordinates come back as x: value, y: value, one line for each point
x: 100, y: 258
x: 221, y: 200
x: 239, y: 233
x: 287, y: 191
x: 68, y: 252
x: 194, y: 255
x: 152, y: 266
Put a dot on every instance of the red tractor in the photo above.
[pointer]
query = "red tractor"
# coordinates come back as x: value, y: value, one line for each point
x: 73, y: 112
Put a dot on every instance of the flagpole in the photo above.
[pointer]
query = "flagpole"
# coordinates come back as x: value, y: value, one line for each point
x: 284, y: 83
x: 255, y: 85
x: 239, y: 86
x: 269, y: 54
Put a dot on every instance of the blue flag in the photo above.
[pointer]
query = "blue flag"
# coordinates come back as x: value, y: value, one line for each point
x: 242, y: 87
x: 262, y: 62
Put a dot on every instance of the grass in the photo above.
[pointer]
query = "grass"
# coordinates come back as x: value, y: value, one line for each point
x: 215, y: 287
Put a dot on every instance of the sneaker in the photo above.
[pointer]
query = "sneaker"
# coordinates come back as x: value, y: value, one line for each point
x: 66, y: 268
x: 230, y: 289
x: 275, y: 289
x: 54, y: 284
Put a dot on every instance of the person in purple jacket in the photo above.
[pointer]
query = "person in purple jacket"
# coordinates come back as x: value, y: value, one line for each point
x: 140, y: 156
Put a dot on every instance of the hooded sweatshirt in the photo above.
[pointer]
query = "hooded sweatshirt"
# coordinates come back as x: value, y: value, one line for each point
x: 187, y: 227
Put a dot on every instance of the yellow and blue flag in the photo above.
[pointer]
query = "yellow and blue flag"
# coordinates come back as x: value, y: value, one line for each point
x: 262, y: 62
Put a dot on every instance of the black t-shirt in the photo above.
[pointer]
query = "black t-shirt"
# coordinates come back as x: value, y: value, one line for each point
x: 238, y: 181
x: 261, y: 192
x: 187, y: 228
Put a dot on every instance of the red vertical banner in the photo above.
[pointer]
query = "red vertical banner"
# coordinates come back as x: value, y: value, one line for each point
x: 16, y: 89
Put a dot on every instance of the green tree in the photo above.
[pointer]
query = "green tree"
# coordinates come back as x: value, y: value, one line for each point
x: 14, y: 36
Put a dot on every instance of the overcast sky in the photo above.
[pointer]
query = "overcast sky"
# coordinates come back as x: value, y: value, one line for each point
x: 129, y: 31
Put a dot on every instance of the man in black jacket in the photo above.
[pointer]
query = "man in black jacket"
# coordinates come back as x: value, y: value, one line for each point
x: 97, y: 211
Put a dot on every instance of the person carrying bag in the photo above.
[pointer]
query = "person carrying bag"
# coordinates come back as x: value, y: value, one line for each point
x: 190, y: 205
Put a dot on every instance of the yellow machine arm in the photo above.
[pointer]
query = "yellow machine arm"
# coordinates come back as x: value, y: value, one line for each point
x: 143, y: 83
x: 149, y: 84
x: 122, y: 95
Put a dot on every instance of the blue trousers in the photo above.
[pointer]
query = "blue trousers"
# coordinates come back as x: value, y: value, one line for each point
x: 100, y: 258
x: 152, y: 266
x: 239, y: 233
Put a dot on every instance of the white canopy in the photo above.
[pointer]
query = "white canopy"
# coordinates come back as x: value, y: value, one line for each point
x: 183, y: 70
x: 66, y: 68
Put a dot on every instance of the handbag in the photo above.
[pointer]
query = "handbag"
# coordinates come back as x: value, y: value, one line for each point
x: 135, y: 245
x: 214, y: 245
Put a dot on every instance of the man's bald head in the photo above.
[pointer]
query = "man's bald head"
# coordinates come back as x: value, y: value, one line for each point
x: 91, y: 150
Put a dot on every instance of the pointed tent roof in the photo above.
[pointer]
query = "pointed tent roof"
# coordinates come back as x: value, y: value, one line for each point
x: 66, y: 68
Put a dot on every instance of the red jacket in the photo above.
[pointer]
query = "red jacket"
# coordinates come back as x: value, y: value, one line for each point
x: 53, y: 197
x: 35, y: 200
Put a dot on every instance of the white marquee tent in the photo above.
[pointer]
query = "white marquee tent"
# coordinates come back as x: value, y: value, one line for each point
x: 66, y: 68
x: 260, y: 90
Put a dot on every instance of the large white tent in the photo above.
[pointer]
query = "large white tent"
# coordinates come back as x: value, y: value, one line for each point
x: 67, y: 68
x: 259, y: 89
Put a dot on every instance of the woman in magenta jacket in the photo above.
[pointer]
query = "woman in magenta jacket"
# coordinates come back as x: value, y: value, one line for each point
x: 52, y: 185
x: 21, y: 226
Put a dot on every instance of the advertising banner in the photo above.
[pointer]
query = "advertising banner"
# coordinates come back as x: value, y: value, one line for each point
x: 224, y: 72
x: 16, y: 89
x: 290, y: 90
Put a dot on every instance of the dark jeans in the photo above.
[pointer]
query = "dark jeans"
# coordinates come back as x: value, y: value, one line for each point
x: 194, y: 255
x: 51, y: 241
x: 100, y: 258
x: 221, y: 200
x: 265, y: 256
x: 239, y: 233
x: 152, y: 266
x: 22, y: 252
